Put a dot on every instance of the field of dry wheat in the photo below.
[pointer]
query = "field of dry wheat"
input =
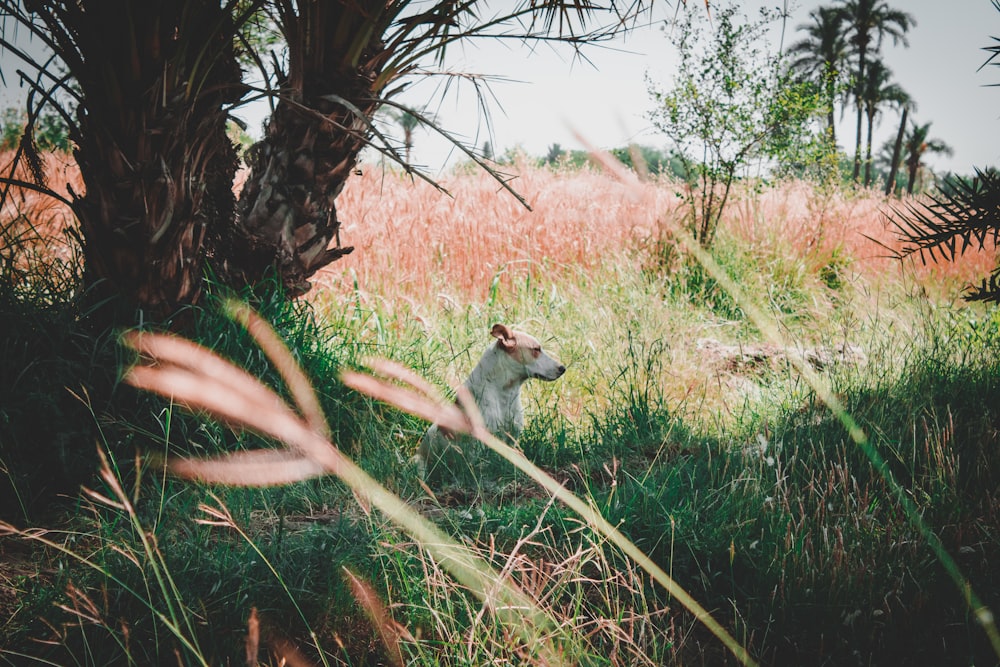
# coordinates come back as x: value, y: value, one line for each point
x: 414, y: 243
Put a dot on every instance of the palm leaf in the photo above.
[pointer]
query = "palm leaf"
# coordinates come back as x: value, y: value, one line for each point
x: 988, y: 290
x: 994, y: 49
x: 966, y: 216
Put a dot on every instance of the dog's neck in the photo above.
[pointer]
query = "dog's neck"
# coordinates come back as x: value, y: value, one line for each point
x: 495, y: 384
x: 496, y: 373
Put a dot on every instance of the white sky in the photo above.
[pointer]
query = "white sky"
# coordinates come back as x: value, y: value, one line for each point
x: 607, y: 101
x: 547, y: 94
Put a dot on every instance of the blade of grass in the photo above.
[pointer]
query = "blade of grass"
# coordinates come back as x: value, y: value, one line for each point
x: 378, y: 615
x: 168, y: 619
x: 296, y: 381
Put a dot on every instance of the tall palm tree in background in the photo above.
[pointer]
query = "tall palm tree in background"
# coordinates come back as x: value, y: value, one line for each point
x: 879, y: 89
x: 868, y: 23
x: 153, y: 82
x: 821, y: 56
x: 408, y: 123
x: 918, y: 145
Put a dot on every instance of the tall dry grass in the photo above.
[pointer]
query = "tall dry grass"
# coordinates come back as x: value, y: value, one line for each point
x: 61, y: 175
x: 419, y: 253
x: 35, y: 228
x: 818, y: 223
x: 416, y: 244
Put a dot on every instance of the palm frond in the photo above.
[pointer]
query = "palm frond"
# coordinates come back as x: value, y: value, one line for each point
x: 993, y: 49
x: 469, y: 151
x: 988, y: 290
x: 966, y: 215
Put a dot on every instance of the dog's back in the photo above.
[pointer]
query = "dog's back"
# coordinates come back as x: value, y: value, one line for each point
x: 495, y: 385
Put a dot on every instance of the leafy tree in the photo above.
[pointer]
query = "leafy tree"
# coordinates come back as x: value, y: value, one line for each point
x: 11, y: 128
x: 640, y: 158
x: 557, y: 156
x: 868, y: 23
x: 152, y: 85
x: 554, y: 154
x: 822, y: 55
x: 732, y: 106
x: 49, y: 131
x: 878, y: 90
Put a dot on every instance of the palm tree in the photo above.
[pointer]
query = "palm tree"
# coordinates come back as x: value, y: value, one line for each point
x: 408, y: 122
x: 878, y: 90
x: 918, y: 146
x: 869, y: 22
x: 347, y: 59
x: 152, y: 84
x: 821, y: 54
x: 964, y: 215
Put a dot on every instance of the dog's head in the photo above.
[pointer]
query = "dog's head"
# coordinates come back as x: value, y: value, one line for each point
x: 526, y: 351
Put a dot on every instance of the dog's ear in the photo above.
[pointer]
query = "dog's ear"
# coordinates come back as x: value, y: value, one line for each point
x: 503, y: 334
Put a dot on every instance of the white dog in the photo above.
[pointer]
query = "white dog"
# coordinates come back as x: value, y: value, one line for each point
x: 495, y: 384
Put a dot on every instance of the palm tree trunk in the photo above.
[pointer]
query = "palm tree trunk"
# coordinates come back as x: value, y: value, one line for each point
x: 868, y: 149
x: 831, y: 99
x: 831, y: 125
x: 153, y: 192
x: 288, y: 215
x: 897, y: 149
x: 287, y: 212
x: 914, y: 167
x: 858, y: 87
x: 857, y: 146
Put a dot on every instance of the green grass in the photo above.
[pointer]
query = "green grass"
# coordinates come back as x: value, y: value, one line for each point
x: 735, y: 480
